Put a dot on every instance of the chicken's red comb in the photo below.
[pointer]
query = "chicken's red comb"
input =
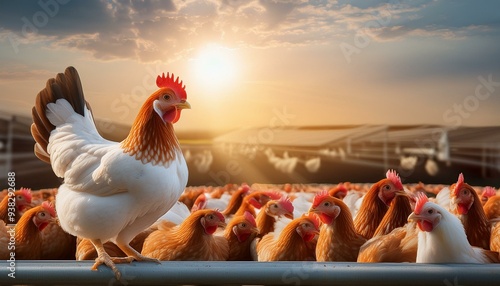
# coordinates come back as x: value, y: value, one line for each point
x: 395, y: 179
x: 342, y: 187
x: 50, y: 208
x: 27, y: 194
x: 249, y: 217
x: 285, y: 202
x: 245, y: 188
x: 319, y: 198
x: 489, y: 192
x: 219, y: 215
x: 274, y: 195
x: 459, y: 184
x: 421, y: 201
x: 176, y: 86
x: 314, y: 219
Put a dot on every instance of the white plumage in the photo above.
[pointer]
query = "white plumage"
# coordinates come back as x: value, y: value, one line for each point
x: 111, y: 190
x: 445, y: 241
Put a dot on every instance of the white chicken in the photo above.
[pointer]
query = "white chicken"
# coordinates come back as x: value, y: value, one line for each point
x: 442, y: 238
x: 112, y: 190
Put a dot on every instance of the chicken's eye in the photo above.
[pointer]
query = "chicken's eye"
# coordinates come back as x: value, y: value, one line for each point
x: 275, y: 206
x: 210, y: 217
x: 386, y: 187
x: 326, y: 204
x: 41, y: 215
x: 166, y: 96
x: 431, y: 211
x: 19, y: 197
x: 465, y: 192
x: 243, y: 225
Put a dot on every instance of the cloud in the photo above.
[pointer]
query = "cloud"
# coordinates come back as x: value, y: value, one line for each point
x: 154, y: 30
x: 23, y: 73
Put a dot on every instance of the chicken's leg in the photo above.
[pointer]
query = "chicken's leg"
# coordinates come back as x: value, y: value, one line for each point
x: 133, y: 254
x: 104, y: 258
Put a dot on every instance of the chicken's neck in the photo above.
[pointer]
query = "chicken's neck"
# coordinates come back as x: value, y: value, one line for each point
x: 233, y: 204
x: 265, y: 223
x: 476, y: 225
x: 289, y: 239
x: 3, y: 209
x: 370, y: 214
x: 151, y: 140
x: 190, y: 231
x: 343, y: 226
x: 26, y: 231
x: 395, y: 217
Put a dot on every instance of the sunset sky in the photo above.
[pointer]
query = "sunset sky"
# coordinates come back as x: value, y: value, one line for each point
x: 255, y: 63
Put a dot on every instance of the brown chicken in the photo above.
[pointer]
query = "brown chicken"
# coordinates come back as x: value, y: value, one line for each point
x: 396, y: 216
x: 492, y: 212
x: 394, y: 240
x: 487, y: 193
x: 240, y: 232
x: 14, y: 204
x: 465, y: 204
x: 85, y: 250
x: 190, y: 195
x: 492, y: 208
x: 273, y: 209
x: 376, y: 203
x: 400, y: 245
x: 495, y: 238
x: 5, y: 233
x: 337, y: 241
x: 29, y: 241
x: 192, y: 240
x: 340, y: 191
x: 57, y: 244
x: 236, y: 200
x: 256, y: 200
x: 292, y: 244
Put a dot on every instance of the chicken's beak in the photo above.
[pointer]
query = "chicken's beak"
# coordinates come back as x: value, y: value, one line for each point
x: 221, y: 224
x: 402, y: 193
x: 289, y: 215
x: 183, y: 105
x: 414, y: 217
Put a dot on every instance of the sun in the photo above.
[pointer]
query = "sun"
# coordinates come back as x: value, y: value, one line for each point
x: 215, y: 65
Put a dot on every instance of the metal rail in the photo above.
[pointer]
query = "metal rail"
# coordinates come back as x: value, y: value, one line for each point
x: 250, y: 273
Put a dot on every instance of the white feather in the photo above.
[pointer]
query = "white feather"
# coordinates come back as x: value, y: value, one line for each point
x: 106, y: 194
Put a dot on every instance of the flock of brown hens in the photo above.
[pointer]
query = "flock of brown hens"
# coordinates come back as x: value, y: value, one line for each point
x: 381, y: 222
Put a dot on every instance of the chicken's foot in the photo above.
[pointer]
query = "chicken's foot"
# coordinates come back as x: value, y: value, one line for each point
x: 133, y: 254
x: 104, y: 258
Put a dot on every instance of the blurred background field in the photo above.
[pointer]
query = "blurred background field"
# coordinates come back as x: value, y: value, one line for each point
x: 304, y: 155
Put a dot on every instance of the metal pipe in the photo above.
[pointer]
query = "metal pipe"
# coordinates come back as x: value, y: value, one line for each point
x: 250, y: 273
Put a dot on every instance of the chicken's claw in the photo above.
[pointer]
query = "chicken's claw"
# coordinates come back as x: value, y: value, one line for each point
x: 104, y: 258
x: 141, y: 257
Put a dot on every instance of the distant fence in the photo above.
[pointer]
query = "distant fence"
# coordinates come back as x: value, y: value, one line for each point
x: 250, y: 273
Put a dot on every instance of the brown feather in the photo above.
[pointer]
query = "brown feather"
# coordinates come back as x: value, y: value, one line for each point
x: 400, y: 245
x: 339, y: 240
x: 371, y: 211
x: 396, y: 216
x: 67, y: 86
x: 288, y: 246
x: 187, y: 241
x: 495, y: 238
x: 238, y: 251
x: 150, y: 139
x: 475, y: 223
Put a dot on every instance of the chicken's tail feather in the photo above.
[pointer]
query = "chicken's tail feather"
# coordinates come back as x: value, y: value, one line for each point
x: 65, y: 86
